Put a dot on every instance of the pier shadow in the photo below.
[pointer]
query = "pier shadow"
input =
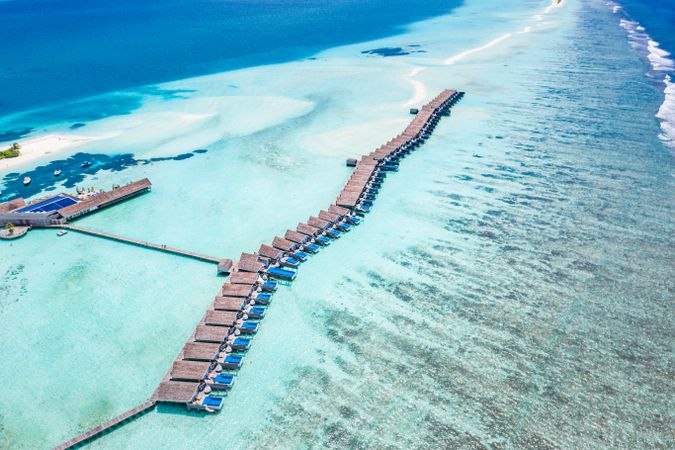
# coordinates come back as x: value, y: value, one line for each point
x: 72, y: 172
x: 178, y: 410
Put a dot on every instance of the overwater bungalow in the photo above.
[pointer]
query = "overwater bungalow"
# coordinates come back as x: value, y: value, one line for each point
x: 269, y: 253
x: 201, y: 351
x: 304, y: 241
x: 250, y: 263
x: 247, y: 278
x: 190, y: 370
x: 176, y: 392
x: 221, y: 318
x: 236, y: 290
x: 210, y: 333
x: 229, y: 303
x: 284, y: 244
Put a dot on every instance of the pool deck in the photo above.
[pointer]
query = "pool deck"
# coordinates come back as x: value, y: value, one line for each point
x: 216, y: 330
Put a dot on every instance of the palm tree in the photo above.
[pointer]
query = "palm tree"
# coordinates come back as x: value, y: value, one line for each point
x: 10, y: 227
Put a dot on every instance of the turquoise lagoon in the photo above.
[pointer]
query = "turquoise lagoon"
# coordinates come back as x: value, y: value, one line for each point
x: 512, y: 287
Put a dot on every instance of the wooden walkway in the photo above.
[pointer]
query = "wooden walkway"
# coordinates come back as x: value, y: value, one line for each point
x: 138, y: 243
x: 354, y: 200
x: 105, y: 427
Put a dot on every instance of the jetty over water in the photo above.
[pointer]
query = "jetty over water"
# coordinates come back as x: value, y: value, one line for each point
x: 207, y: 365
x: 139, y: 243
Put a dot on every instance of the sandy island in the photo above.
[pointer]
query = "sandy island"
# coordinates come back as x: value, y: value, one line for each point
x: 38, y: 147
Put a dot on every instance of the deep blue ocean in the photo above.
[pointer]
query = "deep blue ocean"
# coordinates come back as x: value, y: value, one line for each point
x: 657, y: 16
x: 58, y: 50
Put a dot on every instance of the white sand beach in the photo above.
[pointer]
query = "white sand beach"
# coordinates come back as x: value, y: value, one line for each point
x: 38, y: 147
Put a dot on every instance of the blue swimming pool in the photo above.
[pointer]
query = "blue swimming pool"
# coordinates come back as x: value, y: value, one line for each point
x: 51, y: 204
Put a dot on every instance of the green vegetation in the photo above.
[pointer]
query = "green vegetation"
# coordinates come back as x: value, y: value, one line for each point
x: 12, y: 152
x: 10, y: 227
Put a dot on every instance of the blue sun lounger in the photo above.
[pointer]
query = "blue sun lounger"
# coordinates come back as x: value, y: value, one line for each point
x: 312, y: 248
x: 291, y: 262
x: 223, y: 381
x: 282, y: 274
x: 333, y: 233
x: 256, y: 313
x: 249, y: 327
x: 344, y: 226
x: 323, y: 240
x: 264, y: 298
x: 362, y: 210
x: 269, y: 286
x: 241, y: 344
x: 232, y: 362
x: 213, y: 402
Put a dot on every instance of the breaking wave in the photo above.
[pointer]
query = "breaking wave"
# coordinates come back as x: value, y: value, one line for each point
x: 661, y: 69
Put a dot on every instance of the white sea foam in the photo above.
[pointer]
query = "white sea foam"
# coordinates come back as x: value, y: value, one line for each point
x: 460, y: 56
x: 661, y: 68
x: 537, y: 18
x: 666, y: 113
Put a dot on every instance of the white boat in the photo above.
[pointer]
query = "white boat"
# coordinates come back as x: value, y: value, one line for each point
x: 62, y: 232
x: 26, y: 181
x: 57, y: 172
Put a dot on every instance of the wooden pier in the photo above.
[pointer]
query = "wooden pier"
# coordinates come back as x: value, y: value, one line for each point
x: 106, y: 427
x: 215, y: 335
x: 145, y: 244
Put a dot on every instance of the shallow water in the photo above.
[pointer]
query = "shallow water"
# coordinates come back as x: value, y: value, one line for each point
x: 512, y: 287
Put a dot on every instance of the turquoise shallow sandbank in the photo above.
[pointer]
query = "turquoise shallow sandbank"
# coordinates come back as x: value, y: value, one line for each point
x: 512, y: 287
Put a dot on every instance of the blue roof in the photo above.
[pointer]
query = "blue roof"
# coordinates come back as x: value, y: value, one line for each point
x: 51, y: 204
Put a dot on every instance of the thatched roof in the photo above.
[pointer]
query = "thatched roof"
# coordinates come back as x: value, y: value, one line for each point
x: 11, y: 205
x: 284, y: 244
x: 267, y: 251
x: 329, y: 216
x: 189, y: 370
x: 338, y: 210
x: 220, y: 318
x: 209, y: 333
x: 236, y: 290
x: 200, y: 351
x: 243, y: 278
x: 105, y: 198
x: 249, y: 263
x: 228, y: 303
x: 295, y: 236
x: 316, y: 222
x: 176, y: 392
x: 308, y: 229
